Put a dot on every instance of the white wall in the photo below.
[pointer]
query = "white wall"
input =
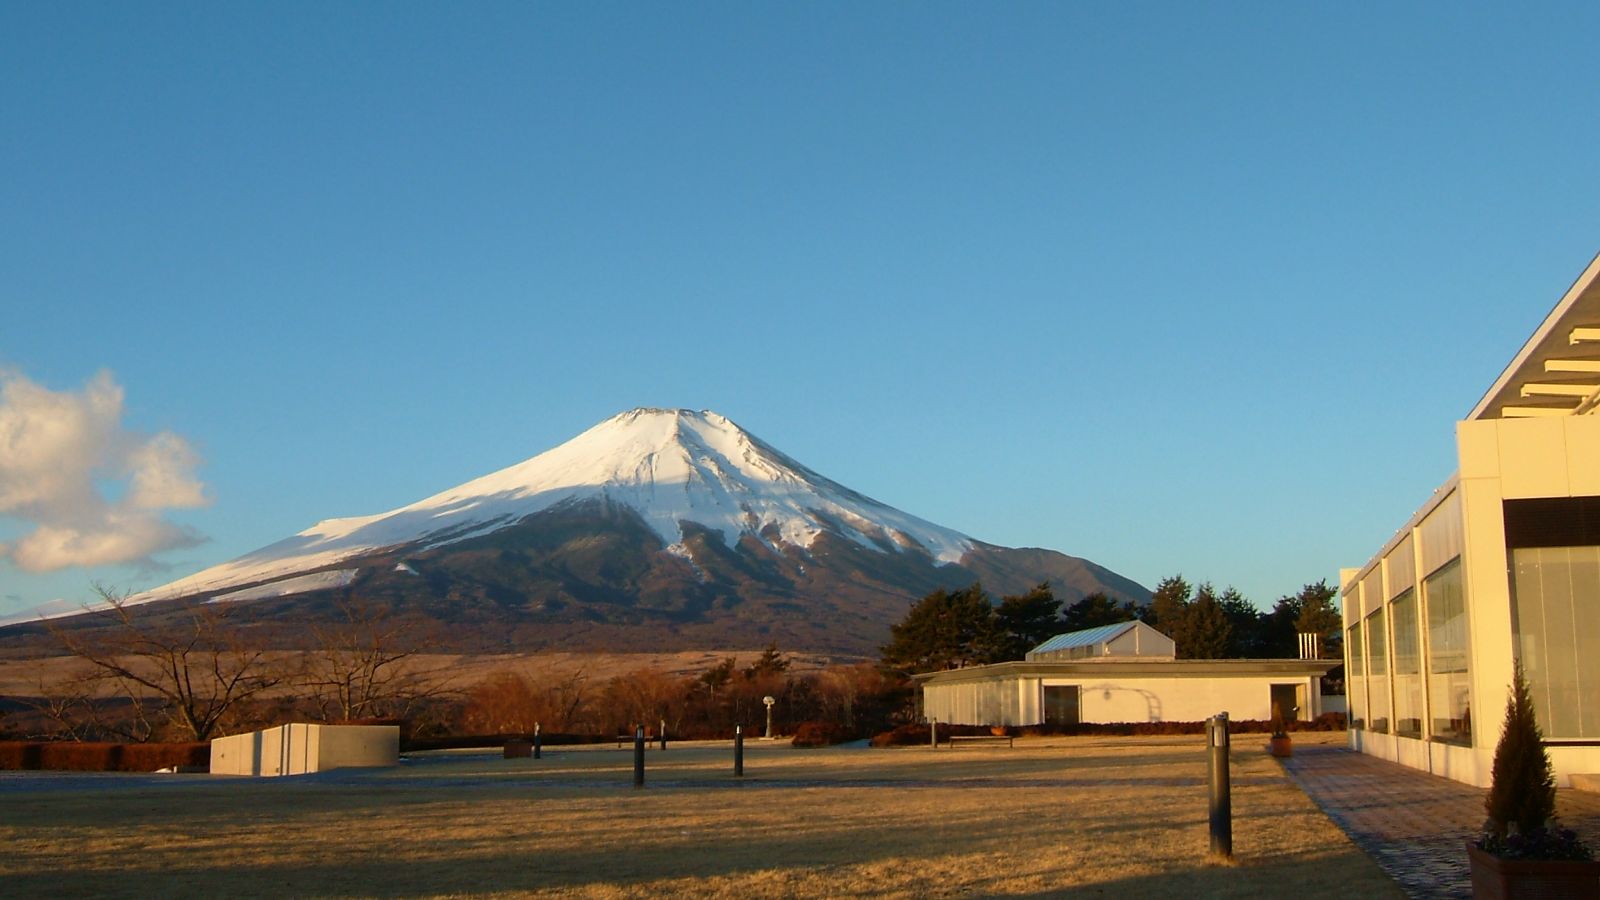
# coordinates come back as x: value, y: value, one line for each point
x: 299, y: 749
x: 1130, y: 699
x: 1122, y: 698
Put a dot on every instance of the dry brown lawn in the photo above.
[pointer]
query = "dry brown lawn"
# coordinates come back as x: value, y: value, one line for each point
x: 27, y: 677
x: 1117, y: 817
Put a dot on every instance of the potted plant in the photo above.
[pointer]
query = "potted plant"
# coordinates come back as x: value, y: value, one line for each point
x: 1279, y: 744
x: 1523, y: 851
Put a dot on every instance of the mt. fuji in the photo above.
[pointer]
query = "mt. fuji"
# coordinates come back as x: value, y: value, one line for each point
x: 655, y: 529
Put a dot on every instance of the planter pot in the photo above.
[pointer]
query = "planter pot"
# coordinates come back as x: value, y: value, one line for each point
x: 1494, y: 878
x: 1280, y: 746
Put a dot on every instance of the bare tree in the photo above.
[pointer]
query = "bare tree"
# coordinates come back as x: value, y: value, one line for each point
x: 368, y: 664
x: 189, y: 669
x: 509, y: 702
x: 73, y: 707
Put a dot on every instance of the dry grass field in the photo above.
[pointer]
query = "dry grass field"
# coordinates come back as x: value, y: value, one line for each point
x: 1115, y: 817
x: 23, y: 677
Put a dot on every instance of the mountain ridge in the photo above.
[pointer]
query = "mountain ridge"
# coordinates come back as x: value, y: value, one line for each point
x: 628, y: 457
x: 654, y: 529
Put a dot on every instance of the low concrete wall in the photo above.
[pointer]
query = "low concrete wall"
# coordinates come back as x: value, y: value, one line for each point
x: 299, y: 749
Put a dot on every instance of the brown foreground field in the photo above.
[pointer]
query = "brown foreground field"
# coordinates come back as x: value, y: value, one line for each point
x: 1115, y: 817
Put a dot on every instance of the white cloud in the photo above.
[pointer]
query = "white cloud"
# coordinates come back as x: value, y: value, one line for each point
x: 60, y: 450
x: 162, y: 474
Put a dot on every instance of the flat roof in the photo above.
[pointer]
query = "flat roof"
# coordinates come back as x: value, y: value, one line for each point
x: 1122, y: 666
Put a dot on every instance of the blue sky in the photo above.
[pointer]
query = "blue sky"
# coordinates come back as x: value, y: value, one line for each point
x: 1171, y: 287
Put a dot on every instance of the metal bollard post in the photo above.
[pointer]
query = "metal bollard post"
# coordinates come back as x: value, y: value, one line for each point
x: 638, y: 757
x: 537, y: 754
x: 663, y: 734
x: 1217, y: 742
x: 933, y: 733
x: 738, y: 751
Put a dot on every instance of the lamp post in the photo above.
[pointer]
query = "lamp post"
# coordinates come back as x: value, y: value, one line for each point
x: 738, y: 751
x: 1221, y: 787
x: 769, y: 700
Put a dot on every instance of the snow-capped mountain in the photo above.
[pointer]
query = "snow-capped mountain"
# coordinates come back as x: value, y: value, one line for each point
x: 655, y: 529
x: 670, y: 466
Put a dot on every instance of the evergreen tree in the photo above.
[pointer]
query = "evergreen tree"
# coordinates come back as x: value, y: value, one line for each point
x: 1278, y: 629
x: 1246, y: 634
x: 718, y: 676
x: 1523, y: 790
x: 944, y: 630
x: 1168, y: 605
x: 1095, y: 610
x: 1025, y: 621
x: 771, y: 662
x: 1317, y: 616
x: 1205, y: 632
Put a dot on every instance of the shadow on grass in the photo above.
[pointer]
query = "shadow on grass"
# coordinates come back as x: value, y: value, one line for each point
x: 808, y: 862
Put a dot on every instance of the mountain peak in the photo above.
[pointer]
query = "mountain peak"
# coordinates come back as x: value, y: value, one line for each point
x: 670, y: 466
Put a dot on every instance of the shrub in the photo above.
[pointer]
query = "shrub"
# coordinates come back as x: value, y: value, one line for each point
x: 102, y: 757
x: 819, y: 734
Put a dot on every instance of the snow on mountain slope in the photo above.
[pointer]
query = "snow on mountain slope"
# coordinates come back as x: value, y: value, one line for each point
x: 669, y: 466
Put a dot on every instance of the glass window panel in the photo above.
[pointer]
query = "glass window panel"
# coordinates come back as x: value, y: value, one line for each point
x: 1449, y: 687
x: 1407, y: 665
x: 1355, y: 684
x: 1555, y: 592
x: 1377, y: 674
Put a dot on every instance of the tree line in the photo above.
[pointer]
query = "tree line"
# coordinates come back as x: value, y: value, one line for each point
x: 951, y: 629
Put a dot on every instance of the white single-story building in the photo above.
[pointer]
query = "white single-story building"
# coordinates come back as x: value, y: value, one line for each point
x: 1121, y: 673
x: 300, y: 749
x: 1501, y: 564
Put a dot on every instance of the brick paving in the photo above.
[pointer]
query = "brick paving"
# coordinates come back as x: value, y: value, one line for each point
x: 1412, y: 823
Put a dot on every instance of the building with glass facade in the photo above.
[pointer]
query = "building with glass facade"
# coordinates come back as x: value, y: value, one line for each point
x: 1501, y: 565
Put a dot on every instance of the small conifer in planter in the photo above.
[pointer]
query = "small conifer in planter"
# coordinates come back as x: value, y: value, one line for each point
x: 1523, y: 851
x: 1279, y: 744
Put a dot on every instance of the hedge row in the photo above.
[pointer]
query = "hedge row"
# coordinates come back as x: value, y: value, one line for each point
x: 485, y: 741
x: 822, y: 734
x: 99, y: 757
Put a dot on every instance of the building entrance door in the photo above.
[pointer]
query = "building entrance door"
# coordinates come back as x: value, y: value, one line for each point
x: 1288, y: 701
x: 1061, y: 704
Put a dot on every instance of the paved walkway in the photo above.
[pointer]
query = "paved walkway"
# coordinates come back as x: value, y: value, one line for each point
x: 1414, y: 824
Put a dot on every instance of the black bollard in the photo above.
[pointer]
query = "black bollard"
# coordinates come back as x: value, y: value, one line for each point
x: 1221, y: 787
x: 738, y: 751
x: 663, y: 734
x: 537, y: 753
x: 638, y: 757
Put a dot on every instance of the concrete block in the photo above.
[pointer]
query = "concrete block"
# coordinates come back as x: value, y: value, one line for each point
x: 298, y: 749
